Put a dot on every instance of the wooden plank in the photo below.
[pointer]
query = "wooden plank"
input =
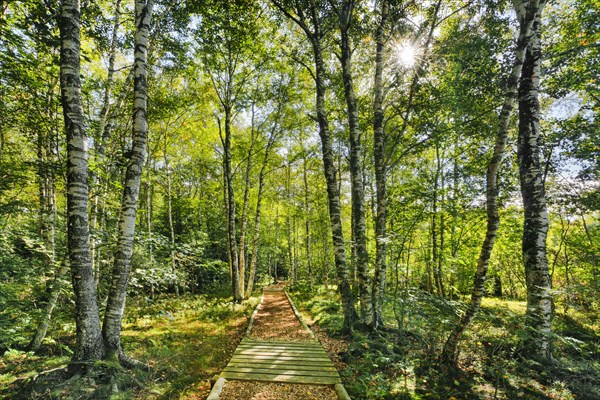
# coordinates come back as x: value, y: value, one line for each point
x: 312, y: 354
x: 284, y: 371
x: 283, y: 358
x: 312, y: 380
x: 295, y: 366
x: 279, y: 349
x: 279, y: 342
x: 275, y: 360
x: 341, y: 392
x: 278, y: 346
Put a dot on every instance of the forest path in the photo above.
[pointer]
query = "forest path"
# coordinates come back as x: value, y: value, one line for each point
x: 279, y: 358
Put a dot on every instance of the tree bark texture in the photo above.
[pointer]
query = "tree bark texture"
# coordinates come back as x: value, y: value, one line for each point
x: 333, y: 194
x: 359, y: 228
x: 111, y: 329
x: 379, y: 157
x: 531, y: 173
x: 230, y: 201
x: 89, y: 345
x: 308, y: 18
x: 256, y: 237
x: 55, y: 291
x: 526, y: 16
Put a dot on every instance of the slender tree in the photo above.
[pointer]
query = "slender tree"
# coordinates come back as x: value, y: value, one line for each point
x: 89, y: 345
x: 379, y: 156
x: 111, y: 329
x: 345, y: 12
x: 526, y: 12
x: 531, y: 173
x: 311, y: 16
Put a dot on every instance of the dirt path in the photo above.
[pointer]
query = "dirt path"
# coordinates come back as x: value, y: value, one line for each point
x: 275, y: 320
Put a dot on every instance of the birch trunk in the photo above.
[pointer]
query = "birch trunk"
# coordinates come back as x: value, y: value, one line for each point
x: 104, y: 114
x: 308, y: 18
x: 55, y: 291
x: 245, y: 206
x: 379, y: 156
x: 359, y: 227
x: 525, y: 15
x: 535, y: 229
x: 333, y: 194
x: 230, y: 201
x: 307, y: 241
x: 89, y: 346
x: 111, y: 329
x: 171, y: 225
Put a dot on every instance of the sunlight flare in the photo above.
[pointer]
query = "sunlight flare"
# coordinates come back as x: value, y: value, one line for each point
x: 406, y: 54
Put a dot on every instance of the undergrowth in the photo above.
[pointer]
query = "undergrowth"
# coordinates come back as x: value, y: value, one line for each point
x: 401, y: 360
x: 184, y: 340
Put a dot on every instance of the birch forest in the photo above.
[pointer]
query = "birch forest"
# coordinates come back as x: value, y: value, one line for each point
x: 420, y: 178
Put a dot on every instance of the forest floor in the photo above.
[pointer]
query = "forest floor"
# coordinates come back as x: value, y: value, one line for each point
x: 186, y: 340
x: 400, y: 361
x: 275, y: 320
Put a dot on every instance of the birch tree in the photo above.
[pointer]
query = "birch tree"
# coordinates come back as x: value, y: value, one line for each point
x: 345, y: 13
x: 111, y: 329
x: 526, y: 12
x: 89, y: 345
x: 312, y: 17
x: 531, y: 174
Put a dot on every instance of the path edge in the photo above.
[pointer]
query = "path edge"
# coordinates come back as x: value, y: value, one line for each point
x: 340, y: 390
x: 216, y: 389
x: 298, y: 316
x: 253, y: 316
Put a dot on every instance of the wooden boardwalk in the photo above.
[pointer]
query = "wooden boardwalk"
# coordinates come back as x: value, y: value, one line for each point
x: 278, y: 361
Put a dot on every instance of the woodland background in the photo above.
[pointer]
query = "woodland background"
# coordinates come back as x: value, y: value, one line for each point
x: 233, y: 188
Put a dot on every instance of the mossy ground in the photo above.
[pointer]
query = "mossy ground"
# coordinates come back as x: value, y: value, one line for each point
x: 185, y: 341
x: 494, y: 364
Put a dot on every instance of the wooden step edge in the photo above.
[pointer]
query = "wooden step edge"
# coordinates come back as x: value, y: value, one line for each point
x: 311, y: 342
x: 216, y: 389
x: 282, y: 371
x: 253, y: 317
x: 340, y: 390
x: 308, y: 380
x: 299, y: 317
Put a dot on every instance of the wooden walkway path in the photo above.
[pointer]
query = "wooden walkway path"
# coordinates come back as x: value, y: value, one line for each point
x: 291, y: 362
x: 300, y: 362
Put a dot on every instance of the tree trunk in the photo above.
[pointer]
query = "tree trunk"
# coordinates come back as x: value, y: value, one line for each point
x: 288, y: 225
x: 359, y: 227
x: 111, y: 329
x: 101, y: 137
x: 333, y: 193
x: 47, y: 229
x: 449, y: 354
x: 307, y: 220
x: 379, y: 156
x: 261, y: 185
x: 55, y: 292
x: 437, y: 276
x: 89, y: 346
x: 171, y: 225
x: 230, y: 201
x: 245, y: 206
x: 535, y: 229
x: 311, y: 25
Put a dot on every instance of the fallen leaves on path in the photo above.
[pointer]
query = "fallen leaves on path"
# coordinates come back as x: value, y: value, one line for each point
x: 276, y: 320
x: 250, y: 390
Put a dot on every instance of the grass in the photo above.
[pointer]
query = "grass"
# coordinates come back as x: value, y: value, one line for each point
x: 402, y: 363
x: 185, y: 340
